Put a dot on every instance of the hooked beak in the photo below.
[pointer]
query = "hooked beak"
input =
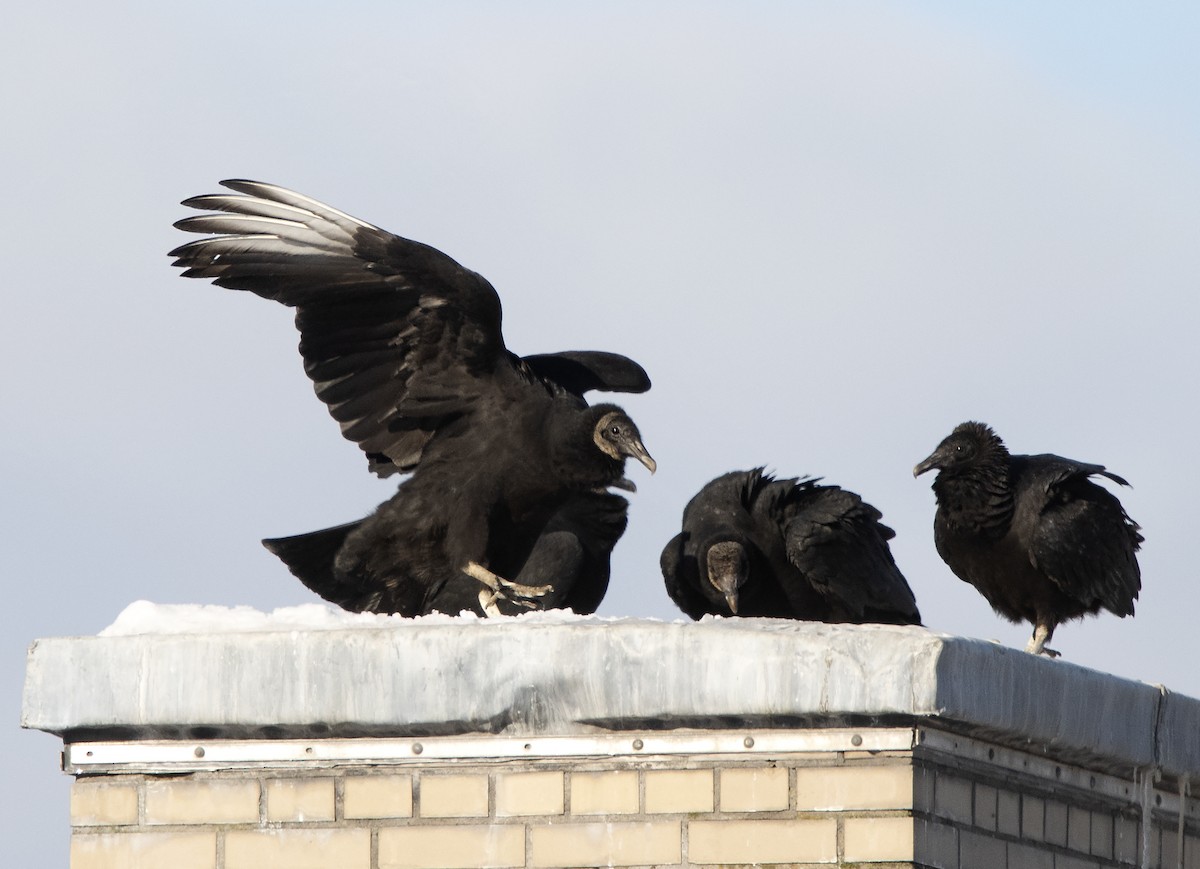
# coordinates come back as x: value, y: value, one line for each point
x: 636, y: 450
x: 934, y: 461
x: 727, y: 571
x: 727, y: 586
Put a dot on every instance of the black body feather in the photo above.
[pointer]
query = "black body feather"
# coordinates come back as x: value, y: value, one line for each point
x: 509, y: 463
x: 755, y: 546
x: 1033, y: 534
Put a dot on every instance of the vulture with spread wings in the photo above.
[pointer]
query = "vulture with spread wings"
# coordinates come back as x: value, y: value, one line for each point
x: 508, y: 504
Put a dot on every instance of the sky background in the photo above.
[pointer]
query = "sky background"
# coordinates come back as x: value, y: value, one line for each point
x: 830, y: 232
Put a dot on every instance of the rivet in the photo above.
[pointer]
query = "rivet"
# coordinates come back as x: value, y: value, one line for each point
x: 417, y: 748
x: 89, y: 754
x: 308, y: 749
x: 637, y: 745
x: 856, y: 740
x: 528, y: 746
x: 748, y: 742
x: 199, y: 751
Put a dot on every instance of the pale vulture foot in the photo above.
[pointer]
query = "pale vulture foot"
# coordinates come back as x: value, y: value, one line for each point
x: 495, y: 587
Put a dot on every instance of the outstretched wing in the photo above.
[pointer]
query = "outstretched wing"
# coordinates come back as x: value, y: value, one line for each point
x: 581, y: 371
x: 1084, y: 540
x: 396, y: 336
x: 837, y: 541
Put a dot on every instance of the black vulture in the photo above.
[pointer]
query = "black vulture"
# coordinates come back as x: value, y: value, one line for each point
x: 1039, y: 540
x: 507, y: 505
x: 752, y: 545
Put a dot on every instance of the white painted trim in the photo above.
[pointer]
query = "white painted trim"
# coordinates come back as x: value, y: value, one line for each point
x: 88, y: 758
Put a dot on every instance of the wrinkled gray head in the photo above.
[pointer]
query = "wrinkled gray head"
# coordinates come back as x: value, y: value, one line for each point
x: 617, y: 436
x: 727, y: 570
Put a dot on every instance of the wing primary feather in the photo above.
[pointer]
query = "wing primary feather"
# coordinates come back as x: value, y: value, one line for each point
x: 404, y: 347
x: 291, y: 197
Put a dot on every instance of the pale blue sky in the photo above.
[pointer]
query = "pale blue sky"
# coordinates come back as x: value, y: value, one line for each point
x: 829, y: 231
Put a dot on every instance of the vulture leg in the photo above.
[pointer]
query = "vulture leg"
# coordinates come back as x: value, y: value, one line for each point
x: 1042, y: 633
x: 487, y: 602
x: 495, y: 587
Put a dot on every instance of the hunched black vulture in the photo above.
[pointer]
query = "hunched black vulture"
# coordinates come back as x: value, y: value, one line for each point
x: 507, y: 506
x: 1040, y: 541
x: 752, y: 545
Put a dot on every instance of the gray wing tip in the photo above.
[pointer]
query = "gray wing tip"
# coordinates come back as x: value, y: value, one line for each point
x: 244, y: 185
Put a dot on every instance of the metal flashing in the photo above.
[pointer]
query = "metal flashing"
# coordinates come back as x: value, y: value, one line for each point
x: 150, y: 757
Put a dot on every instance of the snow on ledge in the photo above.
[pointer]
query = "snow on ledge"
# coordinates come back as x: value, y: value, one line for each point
x: 144, y: 617
x: 166, y: 671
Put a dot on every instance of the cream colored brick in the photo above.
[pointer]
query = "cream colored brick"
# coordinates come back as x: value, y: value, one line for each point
x: 1008, y: 812
x: 144, y: 851
x: 604, y: 793
x: 924, y: 783
x: 529, y: 793
x: 758, y: 789
x: 457, y: 847
x: 984, y: 851
x: 1056, y: 822
x: 878, y: 840
x: 1066, y: 861
x: 855, y: 787
x: 454, y: 796
x: 1033, y: 818
x: 96, y: 802
x: 679, y: 790
x: 1191, y: 853
x: 1127, y: 841
x: 1102, y: 835
x: 205, y: 801
x: 1168, y: 856
x: 1079, y: 829
x: 986, y: 806
x: 952, y: 798
x: 936, y: 845
x: 616, y: 844
x: 298, y: 848
x: 377, y: 796
x: 1022, y: 855
x: 763, y: 841
x: 300, y: 799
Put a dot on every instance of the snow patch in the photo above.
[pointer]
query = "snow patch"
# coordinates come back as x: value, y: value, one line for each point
x: 146, y: 617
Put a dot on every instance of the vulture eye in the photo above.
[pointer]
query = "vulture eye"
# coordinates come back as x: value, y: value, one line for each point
x: 615, y: 430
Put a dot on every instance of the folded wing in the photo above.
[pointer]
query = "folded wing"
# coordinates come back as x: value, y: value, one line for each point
x: 837, y: 541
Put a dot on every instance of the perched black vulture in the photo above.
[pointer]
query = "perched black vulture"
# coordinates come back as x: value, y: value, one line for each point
x: 570, y: 555
x: 1039, y: 540
x: 752, y: 545
x: 507, y: 504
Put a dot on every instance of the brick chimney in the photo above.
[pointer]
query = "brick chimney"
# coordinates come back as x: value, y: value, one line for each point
x: 555, y: 741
